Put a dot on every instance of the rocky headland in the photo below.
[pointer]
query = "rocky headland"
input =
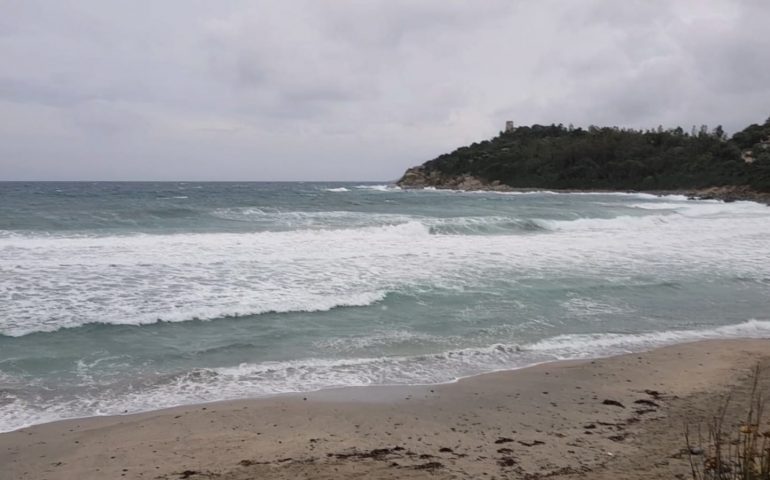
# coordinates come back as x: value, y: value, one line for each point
x: 702, y: 163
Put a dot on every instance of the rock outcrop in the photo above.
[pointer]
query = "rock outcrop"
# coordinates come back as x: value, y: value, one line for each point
x: 421, y: 177
x: 731, y: 193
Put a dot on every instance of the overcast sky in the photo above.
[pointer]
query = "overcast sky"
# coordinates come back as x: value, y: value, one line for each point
x: 352, y: 90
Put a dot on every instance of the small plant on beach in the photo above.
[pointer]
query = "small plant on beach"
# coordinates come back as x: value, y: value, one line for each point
x: 740, y: 453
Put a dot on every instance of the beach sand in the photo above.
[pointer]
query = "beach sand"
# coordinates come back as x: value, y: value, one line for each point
x: 612, y: 418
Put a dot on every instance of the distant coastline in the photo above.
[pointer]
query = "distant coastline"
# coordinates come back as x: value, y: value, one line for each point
x: 703, y: 164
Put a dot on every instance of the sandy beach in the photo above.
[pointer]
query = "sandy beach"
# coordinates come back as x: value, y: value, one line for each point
x: 618, y: 417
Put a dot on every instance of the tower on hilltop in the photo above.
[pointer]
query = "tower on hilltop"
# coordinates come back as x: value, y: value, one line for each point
x: 508, y: 126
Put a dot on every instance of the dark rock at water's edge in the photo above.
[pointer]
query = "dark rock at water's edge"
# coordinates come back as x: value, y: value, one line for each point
x: 732, y: 193
x: 418, y: 177
x: 702, y: 164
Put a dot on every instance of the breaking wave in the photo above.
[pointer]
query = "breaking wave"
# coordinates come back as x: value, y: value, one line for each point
x: 62, y: 281
x: 269, y: 378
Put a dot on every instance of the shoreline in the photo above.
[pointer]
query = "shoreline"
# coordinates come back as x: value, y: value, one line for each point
x: 525, y: 420
x: 715, y: 333
x: 415, y: 179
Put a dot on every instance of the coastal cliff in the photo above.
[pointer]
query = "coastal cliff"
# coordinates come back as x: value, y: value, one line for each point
x: 704, y: 163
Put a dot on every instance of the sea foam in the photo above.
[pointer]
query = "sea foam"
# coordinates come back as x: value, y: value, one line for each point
x: 58, y: 281
x: 270, y: 378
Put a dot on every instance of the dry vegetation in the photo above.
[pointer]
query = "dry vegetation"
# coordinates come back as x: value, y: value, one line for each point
x: 733, y: 450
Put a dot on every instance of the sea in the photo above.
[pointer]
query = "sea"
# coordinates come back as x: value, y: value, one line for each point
x: 119, y: 298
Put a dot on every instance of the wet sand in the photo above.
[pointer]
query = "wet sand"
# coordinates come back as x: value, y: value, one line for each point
x: 613, y: 418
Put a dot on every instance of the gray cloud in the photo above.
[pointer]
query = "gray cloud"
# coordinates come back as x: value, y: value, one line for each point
x: 272, y: 90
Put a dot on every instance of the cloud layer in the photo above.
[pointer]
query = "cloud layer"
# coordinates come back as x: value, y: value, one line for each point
x: 322, y: 90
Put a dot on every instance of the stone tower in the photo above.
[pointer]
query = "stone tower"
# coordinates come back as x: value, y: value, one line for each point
x: 508, y: 126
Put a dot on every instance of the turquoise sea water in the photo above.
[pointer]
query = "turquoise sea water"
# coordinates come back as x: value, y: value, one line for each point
x: 123, y: 297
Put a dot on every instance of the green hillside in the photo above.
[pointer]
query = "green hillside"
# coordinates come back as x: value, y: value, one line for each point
x: 560, y: 157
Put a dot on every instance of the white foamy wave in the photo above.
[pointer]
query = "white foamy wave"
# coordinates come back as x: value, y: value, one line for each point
x: 705, y: 208
x: 650, y: 196
x: 255, y: 380
x: 606, y: 344
x: 49, y: 282
x: 619, y: 223
x: 532, y: 192
x: 488, y: 225
x: 382, y: 339
x: 380, y: 188
x: 280, y: 302
x: 272, y: 219
x: 657, y: 206
x: 696, y: 216
x: 497, y: 192
x: 338, y: 189
x: 645, y: 196
x: 269, y: 378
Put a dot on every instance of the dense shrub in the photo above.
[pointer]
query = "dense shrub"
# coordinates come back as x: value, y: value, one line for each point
x: 555, y: 156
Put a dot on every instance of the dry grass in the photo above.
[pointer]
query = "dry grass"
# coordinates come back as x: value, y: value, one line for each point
x: 733, y: 451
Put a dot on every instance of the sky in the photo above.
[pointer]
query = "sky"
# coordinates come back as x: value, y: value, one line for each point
x: 352, y: 90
